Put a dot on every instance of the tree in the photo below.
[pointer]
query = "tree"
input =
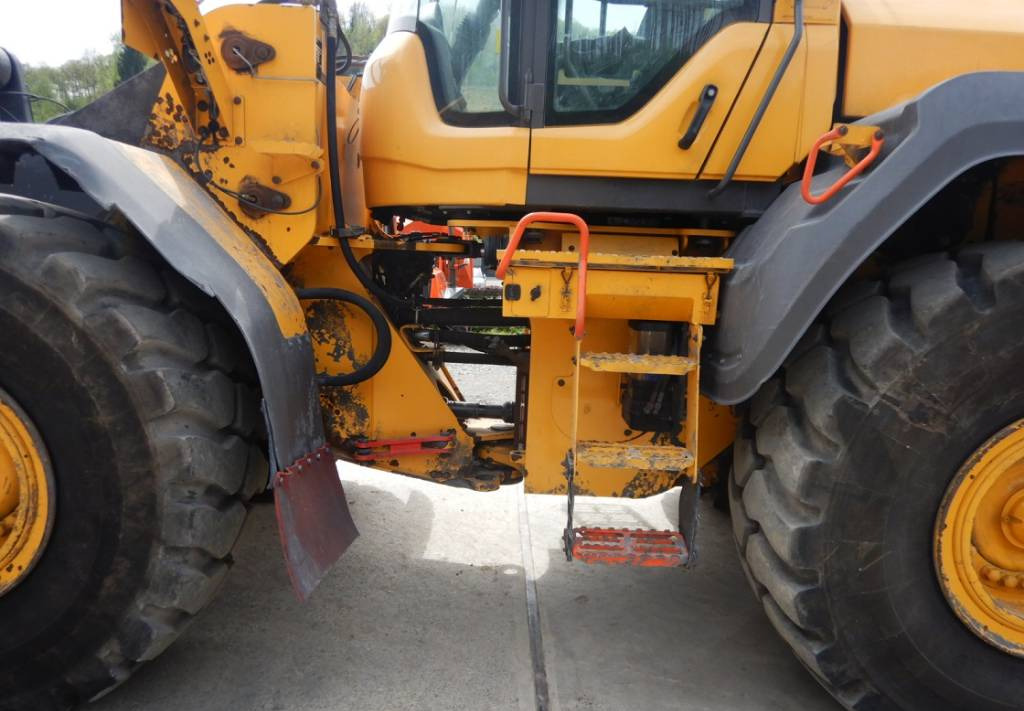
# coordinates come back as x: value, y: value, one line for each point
x: 364, y: 29
x: 129, y: 62
x: 73, y: 84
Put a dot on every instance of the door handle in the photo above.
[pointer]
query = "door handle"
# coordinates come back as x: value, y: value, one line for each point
x: 707, y: 100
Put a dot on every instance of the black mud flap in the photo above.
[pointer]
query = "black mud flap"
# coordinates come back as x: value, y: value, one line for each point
x: 313, y: 519
x: 689, y: 518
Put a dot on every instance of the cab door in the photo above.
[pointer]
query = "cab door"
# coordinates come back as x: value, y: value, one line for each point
x: 660, y: 89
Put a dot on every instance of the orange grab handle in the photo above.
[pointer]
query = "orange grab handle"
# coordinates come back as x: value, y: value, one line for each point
x: 877, y: 141
x: 565, y: 218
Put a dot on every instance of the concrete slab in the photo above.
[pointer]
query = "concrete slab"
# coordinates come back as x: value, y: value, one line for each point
x: 653, y: 638
x: 428, y: 611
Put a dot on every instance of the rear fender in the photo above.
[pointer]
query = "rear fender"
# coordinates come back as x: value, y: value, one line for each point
x: 794, y: 259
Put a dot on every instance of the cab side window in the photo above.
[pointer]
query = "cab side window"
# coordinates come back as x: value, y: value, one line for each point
x: 611, y: 56
x: 462, y: 37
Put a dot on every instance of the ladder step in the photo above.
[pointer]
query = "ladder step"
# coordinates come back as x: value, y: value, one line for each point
x: 620, y: 546
x: 610, y: 455
x: 637, y: 363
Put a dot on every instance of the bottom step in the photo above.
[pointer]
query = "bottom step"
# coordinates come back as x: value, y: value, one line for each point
x: 621, y: 546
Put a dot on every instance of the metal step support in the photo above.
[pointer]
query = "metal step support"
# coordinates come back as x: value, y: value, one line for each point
x: 605, y: 545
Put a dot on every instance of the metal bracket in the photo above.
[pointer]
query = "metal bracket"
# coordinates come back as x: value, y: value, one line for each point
x: 257, y: 200
x: 243, y: 53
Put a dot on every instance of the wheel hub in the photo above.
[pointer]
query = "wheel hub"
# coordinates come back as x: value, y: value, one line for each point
x: 979, y: 541
x: 1013, y: 520
x: 26, y: 494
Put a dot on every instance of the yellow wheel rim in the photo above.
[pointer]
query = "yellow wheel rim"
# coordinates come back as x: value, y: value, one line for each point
x: 26, y: 495
x: 979, y: 541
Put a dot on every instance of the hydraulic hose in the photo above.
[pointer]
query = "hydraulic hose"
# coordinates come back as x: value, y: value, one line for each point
x: 380, y: 325
x: 333, y: 158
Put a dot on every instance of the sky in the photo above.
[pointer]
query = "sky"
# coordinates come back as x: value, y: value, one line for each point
x: 55, y: 31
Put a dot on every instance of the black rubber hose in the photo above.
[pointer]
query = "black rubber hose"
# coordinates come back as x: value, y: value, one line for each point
x: 348, y: 53
x: 380, y: 325
x: 333, y: 158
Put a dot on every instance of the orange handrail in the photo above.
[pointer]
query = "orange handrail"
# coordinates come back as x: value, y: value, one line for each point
x: 877, y: 141
x: 581, y: 280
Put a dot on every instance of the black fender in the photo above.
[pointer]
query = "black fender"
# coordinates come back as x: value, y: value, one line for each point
x: 198, y: 240
x: 794, y: 259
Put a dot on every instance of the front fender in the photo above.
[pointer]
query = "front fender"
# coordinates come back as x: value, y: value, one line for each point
x: 795, y: 258
x: 197, y: 239
x: 205, y: 246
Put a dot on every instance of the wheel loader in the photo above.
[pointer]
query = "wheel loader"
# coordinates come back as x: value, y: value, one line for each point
x: 769, y: 248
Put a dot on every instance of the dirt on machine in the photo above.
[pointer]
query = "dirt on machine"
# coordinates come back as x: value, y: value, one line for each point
x: 768, y: 252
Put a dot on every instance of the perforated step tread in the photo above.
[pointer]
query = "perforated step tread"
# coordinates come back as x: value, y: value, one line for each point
x: 610, y: 455
x: 638, y: 363
x: 638, y: 548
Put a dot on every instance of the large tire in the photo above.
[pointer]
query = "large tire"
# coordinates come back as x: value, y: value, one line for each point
x: 841, y: 467
x: 144, y: 400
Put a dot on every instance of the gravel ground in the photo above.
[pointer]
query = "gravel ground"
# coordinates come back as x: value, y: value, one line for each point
x: 485, y: 384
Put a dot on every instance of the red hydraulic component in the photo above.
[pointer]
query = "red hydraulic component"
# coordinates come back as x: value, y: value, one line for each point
x: 622, y: 546
x: 368, y: 450
x: 877, y: 141
x: 438, y: 282
x: 464, y: 273
x: 564, y: 218
x: 441, y: 276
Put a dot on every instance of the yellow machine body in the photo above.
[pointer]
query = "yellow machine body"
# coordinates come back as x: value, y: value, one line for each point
x: 399, y: 150
x: 899, y: 49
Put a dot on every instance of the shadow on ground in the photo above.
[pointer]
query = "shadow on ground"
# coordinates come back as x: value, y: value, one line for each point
x: 427, y: 611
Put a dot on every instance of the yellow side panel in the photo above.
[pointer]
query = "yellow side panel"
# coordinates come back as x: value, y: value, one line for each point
x: 411, y: 157
x: 798, y: 114
x: 899, y: 49
x: 284, y: 99
x: 645, y: 145
x: 550, y: 408
x: 816, y: 12
x: 550, y: 415
x: 276, y: 115
x: 401, y: 401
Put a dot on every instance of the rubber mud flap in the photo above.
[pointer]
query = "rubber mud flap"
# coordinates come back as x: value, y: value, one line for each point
x: 313, y: 519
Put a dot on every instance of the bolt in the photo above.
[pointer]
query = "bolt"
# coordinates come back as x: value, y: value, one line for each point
x: 276, y: 180
x: 237, y: 100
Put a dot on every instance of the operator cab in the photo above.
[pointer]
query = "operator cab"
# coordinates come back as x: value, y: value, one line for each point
x: 606, y: 58
x: 589, y: 105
